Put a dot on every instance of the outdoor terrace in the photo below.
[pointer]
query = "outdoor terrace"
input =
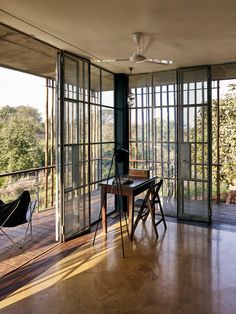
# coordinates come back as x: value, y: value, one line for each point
x: 41, y: 240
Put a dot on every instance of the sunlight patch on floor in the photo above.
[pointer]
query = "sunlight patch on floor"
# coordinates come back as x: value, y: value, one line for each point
x: 85, y: 258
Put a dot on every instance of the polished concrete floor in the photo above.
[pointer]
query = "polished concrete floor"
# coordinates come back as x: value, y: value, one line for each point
x: 189, y: 269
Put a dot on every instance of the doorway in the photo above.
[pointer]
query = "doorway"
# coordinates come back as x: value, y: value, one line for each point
x: 194, y: 151
x: 170, y: 133
x: 73, y: 194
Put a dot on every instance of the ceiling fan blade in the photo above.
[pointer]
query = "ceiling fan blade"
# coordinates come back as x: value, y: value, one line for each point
x: 157, y: 61
x: 110, y: 60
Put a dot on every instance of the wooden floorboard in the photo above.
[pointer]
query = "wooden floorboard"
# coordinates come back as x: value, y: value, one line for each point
x: 222, y: 213
x: 26, y: 273
x: 41, y: 240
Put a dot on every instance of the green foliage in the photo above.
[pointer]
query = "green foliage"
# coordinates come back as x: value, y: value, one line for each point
x: 21, y: 135
x: 107, y: 125
x: 226, y: 137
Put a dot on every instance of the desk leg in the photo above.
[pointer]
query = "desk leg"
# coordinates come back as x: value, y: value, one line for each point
x: 104, y: 210
x: 131, y: 215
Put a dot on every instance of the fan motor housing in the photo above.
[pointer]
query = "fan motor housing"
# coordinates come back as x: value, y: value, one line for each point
x: 138, y: 58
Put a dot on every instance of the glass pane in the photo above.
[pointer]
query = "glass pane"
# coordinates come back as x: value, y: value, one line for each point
x: 165, y: 152
x: 133, y: 126
x: 165, y: 130
x: 71, y: 78
x: 107, y: 125
x: 95, y: 87
x: 191, y: 123
x: 86, y: 82
x: 153, y: 124
x: 192, y: 167
x: 86, y: 123
x: 107, y: 89
x: 164, y: 97
x: 95, y: 122
x: 81, y: 80
x: 80, y: 123
x: 158, y: 99
x: 96, y: 163
x: 107, y: 153
x: 172, y: 124
x: 96, y: 202
x: 185, y: 124
x: 76, y: 196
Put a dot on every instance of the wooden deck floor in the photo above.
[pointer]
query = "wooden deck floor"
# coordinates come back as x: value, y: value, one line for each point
x: 41, y: 240
x: 224, y: 214
x: 221, y: 213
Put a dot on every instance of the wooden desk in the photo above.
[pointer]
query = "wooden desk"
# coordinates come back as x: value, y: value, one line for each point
x: 138, y: 186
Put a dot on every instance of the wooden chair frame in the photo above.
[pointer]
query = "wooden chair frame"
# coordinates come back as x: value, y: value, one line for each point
x: 148, y: 206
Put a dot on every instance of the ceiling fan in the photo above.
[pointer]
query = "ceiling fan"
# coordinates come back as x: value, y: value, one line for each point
x: 138, y: 56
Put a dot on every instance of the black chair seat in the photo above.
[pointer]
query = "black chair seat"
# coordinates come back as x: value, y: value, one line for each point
x: 15, y: 213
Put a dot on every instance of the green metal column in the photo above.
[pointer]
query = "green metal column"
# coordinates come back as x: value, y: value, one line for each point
x: 121, y: 126
x: 121, y: 117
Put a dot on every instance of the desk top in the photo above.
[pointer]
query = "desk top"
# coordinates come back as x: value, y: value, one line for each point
x: 137, y: 183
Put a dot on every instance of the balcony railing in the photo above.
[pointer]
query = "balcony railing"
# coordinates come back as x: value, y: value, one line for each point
x: 40, y: 182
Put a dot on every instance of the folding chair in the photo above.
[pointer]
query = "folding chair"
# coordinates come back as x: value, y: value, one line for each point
x: 148, y: 206
x: 15, y: 213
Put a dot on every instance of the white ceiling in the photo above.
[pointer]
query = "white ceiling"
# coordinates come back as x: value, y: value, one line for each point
x: 191, y: 32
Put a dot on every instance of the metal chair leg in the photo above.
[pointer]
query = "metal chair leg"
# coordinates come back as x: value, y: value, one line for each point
x: 15, y: 243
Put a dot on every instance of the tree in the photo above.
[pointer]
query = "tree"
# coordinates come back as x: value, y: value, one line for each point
x: 21, y: 134
x: 227, y: 145
x: 227, y: 136
x: 107, y: 125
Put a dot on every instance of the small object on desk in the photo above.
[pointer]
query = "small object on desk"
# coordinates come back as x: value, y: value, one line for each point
x: 141, y: 173
x: 127, y: 181
x: 123, y: 181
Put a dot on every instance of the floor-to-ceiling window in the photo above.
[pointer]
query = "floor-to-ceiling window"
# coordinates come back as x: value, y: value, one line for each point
x: 152, y: 135
x: 101, y: 134
x: 73, y: 146
x: 194, y: 143
x: 153, y: 132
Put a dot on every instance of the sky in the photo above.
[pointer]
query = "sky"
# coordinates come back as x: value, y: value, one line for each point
x: 224, y: 86
x: 18, y: 88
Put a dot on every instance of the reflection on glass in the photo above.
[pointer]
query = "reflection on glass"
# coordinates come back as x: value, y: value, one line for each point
x: 107, y: 125
x: 152, y: 127
x: 95, y: 130
x: 101, y: 133
x: 76, y: 201
x: 107, y: 89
